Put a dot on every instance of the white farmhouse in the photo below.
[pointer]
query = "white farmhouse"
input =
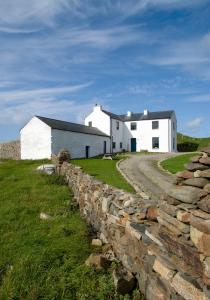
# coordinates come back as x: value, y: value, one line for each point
x: 151, y: 131
x: 42, y: 137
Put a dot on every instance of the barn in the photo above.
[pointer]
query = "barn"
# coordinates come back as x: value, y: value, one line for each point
x: 43, y: 137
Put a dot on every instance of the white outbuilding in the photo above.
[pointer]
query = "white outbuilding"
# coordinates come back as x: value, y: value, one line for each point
x: 43, y: 137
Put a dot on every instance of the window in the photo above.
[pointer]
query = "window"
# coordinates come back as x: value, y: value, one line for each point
x: 155, y: 124
x: 90, y: 123
x: 117, y: 125
x: 121, y: 145
x: 133, y: 126
x: 113, y: 145
x: 155, y: 143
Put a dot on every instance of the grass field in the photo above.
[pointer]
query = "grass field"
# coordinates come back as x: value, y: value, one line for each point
x: 44, y: 259
x: 176, y: 164
x: 104, y: 170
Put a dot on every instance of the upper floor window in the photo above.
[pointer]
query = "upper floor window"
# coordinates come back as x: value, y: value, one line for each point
x: 90, y: 123
x: 155, y: 124
x: 155, y: 143
x: 117, y: 125
x: 133, y: 126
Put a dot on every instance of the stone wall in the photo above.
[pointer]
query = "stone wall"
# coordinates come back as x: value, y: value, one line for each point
x: 10, y: 150
x: 166, y: 245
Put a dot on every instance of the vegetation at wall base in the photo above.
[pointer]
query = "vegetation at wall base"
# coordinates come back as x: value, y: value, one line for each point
x: 189, y: 144
x: 176, y: 164
x: 44, y: 259
x: 105, y: 170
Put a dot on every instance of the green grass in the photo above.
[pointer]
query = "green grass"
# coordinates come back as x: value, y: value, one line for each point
x: 44, y: 259
x: 176, y: 164
x: 105, y: 171
x: 187, y: 143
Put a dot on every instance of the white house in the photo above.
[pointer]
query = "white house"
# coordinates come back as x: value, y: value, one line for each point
x: 151, y: 131
x: 42, y: 137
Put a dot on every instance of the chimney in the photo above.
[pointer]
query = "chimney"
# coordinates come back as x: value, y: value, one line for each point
x: 129, y: 113
x: 97, y: 107
x: 146, y: 112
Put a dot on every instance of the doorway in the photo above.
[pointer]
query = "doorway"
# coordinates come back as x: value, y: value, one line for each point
x: 133, y: 144
x: 87, y: 151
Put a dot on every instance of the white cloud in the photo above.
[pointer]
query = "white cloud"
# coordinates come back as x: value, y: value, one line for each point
x: 36, y: 12
x: 69, y: 110
x: 195, y: 123
x: 32, y: 94
x: 200, y: 98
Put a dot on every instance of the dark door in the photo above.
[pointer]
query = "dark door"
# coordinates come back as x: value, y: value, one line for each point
x: 87, y: 148
x: 104, y: 147
x: 133, y: 145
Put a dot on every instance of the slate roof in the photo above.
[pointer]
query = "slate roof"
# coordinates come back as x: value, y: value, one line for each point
x: 113, y: 116
x: 140, y: 116
x: 74, y: 127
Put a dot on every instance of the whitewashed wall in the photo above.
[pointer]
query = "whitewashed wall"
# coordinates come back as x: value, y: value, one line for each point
x: 35, y: 140
x: 99, y: 119
x: 144, y: 134
x: 117, y: 134
x: 76, y: 142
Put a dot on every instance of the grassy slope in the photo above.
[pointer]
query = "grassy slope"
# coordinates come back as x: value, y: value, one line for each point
x: 200, y: 142
x: 176, y: 164
x: 104, y: 170
x: 43, y: 259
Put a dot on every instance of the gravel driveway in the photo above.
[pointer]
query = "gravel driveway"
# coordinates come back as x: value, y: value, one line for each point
x: 143, y: 172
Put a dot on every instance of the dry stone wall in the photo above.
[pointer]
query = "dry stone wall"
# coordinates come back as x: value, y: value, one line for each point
x: 10, y: 150
x: 165, y: 244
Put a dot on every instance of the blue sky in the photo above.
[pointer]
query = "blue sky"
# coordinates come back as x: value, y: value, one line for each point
x: 60, y: 57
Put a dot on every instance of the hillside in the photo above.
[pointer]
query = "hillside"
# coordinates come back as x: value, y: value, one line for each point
x: 188, y: 143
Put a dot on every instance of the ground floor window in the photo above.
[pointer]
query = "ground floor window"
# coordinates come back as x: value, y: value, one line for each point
x: 121, y: 145
x: 155, y: 143
x: 113, y: 145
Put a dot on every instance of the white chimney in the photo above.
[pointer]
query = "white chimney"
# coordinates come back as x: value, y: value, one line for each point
x: 97, y: 107
x: 129, y: 113
x: 146, y: 112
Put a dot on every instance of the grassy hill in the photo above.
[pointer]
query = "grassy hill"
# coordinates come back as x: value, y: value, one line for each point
x: 187, y: 143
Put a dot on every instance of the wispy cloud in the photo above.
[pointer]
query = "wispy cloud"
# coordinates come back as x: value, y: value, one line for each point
x: 200, y: 98
x: 28, y: 94
x: 195, y: 123
x: 69, y: 110
x: 46, y: 11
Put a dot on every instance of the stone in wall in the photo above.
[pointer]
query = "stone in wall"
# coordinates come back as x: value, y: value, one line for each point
x: 165, y: 244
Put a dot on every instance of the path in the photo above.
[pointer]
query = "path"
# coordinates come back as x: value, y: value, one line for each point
x: 143, y: 172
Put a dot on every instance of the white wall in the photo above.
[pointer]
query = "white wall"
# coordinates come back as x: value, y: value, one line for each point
x: 76, y: 142
x: 35, y: 140
x: 117, y: 134
x: 144, y: 134
x: 99, y: 119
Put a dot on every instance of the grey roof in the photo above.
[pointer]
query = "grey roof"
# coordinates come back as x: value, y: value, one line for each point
x: 74, y: 127
x: 113, y: 116
x: 140, y: 116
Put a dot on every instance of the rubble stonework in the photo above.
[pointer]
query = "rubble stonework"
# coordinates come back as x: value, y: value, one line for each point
x: 165, y: 243
x: 10, y: 150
